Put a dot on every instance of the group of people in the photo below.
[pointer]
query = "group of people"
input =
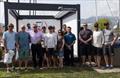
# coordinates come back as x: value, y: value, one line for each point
x: 55, y: 49
x: 98, y: 44
x: 48, y: 49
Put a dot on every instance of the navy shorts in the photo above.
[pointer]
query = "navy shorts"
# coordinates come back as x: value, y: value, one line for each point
x: 98, y: 51
x: 50, y: 51
x: 44, y: 51
x: 85, y: 50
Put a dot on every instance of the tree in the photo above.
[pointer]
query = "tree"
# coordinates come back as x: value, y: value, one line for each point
x: 101, y: 22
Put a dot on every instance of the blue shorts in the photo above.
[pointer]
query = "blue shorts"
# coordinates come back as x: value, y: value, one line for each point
x: 61, y: 53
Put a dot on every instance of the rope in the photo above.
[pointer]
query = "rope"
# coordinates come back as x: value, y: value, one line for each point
x: 111, y: 10
x: 96, y: 10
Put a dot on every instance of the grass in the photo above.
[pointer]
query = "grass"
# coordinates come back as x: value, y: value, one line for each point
x: 67, y: 72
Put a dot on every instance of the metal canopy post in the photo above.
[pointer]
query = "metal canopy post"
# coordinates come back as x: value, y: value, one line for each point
x: 6, y: 17
x: 17, y: 23
x: 61, y: 23
x: 78, y: 23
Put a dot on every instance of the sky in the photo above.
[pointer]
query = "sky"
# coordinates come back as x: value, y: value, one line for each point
x: 88, y: 7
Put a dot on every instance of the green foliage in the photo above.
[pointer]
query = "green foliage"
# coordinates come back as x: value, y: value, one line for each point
x: 67, y: 72
x: 101, y: 22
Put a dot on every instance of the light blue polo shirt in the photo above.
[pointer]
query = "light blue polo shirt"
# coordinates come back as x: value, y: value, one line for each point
x: 10, y: 38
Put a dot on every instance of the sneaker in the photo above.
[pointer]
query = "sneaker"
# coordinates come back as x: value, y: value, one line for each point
x: 26, y: 69
x: 83, y: 65
x: 107, y: 66
x: 12, y: 69
x: 8, y: 71
x: 90, y: 65
x: 41, y: 68
x: 34, y: 68
x: 20, y: 68
x: 111, y: 66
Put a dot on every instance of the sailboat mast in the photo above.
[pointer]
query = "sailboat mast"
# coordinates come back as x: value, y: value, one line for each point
x: 118, y: 22
x: 96, y: 10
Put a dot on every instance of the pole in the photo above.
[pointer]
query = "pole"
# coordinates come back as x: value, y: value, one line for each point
x: 96, y: 10
x: 118, y: 22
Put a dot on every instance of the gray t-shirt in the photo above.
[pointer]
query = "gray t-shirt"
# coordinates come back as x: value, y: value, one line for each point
x: 85, y: 35
x: 108, y: 36
x: 10, y: 38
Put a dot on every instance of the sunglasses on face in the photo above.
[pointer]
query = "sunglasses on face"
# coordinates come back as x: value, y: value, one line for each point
x: 96, y: 26
x: 10, y: 26
x: 59, y: 32
x: 34, y: 27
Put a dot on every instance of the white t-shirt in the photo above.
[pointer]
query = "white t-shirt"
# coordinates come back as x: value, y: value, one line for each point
x: 98, y: 39
x: 50, y: 40
x: 55, y: 35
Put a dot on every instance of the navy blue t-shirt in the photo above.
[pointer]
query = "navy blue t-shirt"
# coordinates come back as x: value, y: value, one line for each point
x: 69, y: 38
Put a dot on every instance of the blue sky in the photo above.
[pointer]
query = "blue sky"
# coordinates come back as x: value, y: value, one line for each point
x: 87, y: 7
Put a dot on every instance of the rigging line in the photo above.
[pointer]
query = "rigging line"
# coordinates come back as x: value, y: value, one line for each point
x: 96, y: 10
x: 111, y: 10
x: 119, y: 14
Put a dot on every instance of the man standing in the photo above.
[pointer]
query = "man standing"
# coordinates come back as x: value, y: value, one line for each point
x: 55, y: 52
x: 51, y: 45
x: 28, y: 27
x: 98, y: 40
x: 85, y: 37
x: 23, y: 40
x: 45, y: 57
x: 69, y: 43
x: 109, y: 40
x: 9, y: 38
x: 36, y: 37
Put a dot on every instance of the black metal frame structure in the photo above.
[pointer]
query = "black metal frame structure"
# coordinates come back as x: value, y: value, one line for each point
x: 11, y: 7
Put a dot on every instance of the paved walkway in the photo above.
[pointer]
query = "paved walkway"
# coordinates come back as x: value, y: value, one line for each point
x: 113, y: 70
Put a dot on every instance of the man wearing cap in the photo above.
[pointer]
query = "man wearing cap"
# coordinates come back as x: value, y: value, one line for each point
x: 9, y: 38
x: 55, y: 52
x: 108, y: 49
x: 85, y: 38
x: 36, y: 37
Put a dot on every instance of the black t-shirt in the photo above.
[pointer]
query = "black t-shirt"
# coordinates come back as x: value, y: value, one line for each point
x: 85, y: 35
